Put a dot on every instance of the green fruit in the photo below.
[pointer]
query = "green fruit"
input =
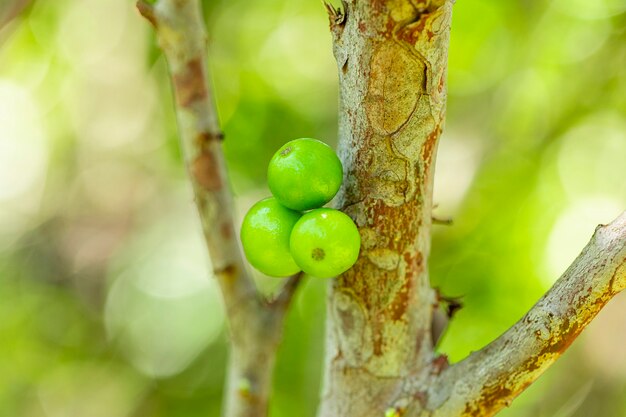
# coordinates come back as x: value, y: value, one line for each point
x: 265, y: 238
x: 325, y: 243
x: 304, y: 174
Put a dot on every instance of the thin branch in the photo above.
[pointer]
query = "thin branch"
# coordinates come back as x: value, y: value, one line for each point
x: 442, y: 221
x: 491, y: 378
x: 255, y: 326
x: 147, y: 10
x: 444, y: 309
x: 286, y: 293
x: 181, y: 33
x: 336, y: 15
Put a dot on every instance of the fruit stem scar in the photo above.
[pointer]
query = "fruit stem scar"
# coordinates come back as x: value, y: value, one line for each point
x: 286, y: 151
x: 318, y: 254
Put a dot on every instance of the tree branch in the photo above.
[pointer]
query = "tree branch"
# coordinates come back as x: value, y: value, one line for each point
x: 442, y: 221
x: 491, y: 378
x: 285, y: 294
x: 255, y: 324
x: 182, y: 37
x: 11, y: 10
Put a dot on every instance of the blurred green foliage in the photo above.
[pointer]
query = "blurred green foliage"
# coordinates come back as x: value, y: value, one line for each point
x: 106, y: 306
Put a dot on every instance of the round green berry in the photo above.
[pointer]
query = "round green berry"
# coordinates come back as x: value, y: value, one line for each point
x: 265, y: 238
x: 304, y: 174
x: 325, y: 243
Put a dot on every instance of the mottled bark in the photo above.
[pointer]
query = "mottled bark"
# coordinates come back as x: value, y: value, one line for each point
x: 391, y: 57
x: 255, y: 323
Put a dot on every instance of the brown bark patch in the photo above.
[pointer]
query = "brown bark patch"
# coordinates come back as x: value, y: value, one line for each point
x: 400, y: 304
x: 395, y: 226
x: 412, y: 32
x: 490, y: 399
x: 362, y: 26
x: 440, y: 363
x: 190, y: 83
x: 228, y: 273
x: 226, y: 231
x: 205, y: 138
x: 414, y: 264
x: 206, y: 171
x: 430, y: 145
x: 561, y: 339
x: 494, y: 397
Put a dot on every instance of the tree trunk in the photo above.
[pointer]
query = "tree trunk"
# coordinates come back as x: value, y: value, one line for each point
x: 391, y: 57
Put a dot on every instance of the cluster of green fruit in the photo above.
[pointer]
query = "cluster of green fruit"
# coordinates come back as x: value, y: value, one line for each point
x: 278, y: 238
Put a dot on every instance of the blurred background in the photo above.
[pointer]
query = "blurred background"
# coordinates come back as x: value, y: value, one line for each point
x: 107, y: 307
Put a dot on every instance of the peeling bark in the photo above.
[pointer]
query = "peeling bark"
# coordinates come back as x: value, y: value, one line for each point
x: 391, y: 57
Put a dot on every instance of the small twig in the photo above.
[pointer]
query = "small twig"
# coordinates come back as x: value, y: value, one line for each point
x: 442, y: 221
x: 335, y: 14
x: 147, y: 10
x: 446, y: 221
x: 452, y: 304
x: 443, y: 311
x: 285, y: 294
